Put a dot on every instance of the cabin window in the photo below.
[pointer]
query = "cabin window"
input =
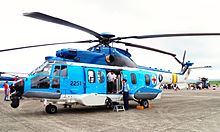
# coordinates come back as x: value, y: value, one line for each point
x: 64, y: 72
x: 147, y: 79
x: 91, y: 76
x: 133, y: 78
x: 56, y: 82
x: 40, y: 82
x: 100, y: 77
x: 56, y: 71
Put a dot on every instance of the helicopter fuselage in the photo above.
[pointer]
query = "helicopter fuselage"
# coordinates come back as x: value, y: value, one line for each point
x: 67, y: 83
x: 66, y: 78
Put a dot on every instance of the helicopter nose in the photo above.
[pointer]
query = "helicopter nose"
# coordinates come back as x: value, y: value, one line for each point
x: 19, y: 87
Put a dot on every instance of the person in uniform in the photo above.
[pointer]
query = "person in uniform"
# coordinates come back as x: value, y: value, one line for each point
x: 125, y: 90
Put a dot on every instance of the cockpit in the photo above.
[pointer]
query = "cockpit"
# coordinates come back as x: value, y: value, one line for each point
x: 48, y: 75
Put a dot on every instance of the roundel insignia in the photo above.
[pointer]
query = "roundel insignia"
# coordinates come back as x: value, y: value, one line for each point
x: 154, y: 79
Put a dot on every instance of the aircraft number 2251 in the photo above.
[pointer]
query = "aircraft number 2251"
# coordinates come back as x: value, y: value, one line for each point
x: 75, y: 83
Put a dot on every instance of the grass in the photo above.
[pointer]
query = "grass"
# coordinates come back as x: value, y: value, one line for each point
x: 217, y: 83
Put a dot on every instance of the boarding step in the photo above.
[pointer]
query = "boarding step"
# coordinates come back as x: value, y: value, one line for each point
x: 119, y: 108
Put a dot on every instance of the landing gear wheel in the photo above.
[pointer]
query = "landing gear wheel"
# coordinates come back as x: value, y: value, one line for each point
x: 108, y: 103
x: 144, y: 103
x: 51, y: 109
x: 15, y: 102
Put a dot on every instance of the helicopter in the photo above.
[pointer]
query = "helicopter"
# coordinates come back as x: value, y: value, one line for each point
x: 76, y: 76
x: 11, y: 77
x: 8, y: 76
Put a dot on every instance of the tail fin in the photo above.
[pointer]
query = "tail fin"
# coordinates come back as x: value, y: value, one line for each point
x: 185, y: 67
x: 186, y: 70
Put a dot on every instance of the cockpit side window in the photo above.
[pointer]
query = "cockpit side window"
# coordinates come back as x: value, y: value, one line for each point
x: 64, y: 71
x: 40, y: 82
x: 56, y: 82
x: 47, y: 69
x: 56, y: 71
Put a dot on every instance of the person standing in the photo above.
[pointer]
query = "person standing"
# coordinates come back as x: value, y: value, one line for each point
x: 6, y: 88
x: 125, y: 88
x: 111, y: 81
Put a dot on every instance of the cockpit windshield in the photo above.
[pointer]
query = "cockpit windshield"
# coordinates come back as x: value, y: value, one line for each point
x: 45, y: 68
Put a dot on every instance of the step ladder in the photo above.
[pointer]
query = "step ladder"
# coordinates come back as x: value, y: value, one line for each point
x: 119, y: 108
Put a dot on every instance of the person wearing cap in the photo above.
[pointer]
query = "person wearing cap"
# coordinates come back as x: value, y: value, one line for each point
x: 125, y: 90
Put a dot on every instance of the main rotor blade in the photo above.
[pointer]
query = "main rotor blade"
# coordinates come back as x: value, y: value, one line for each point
x: 41, y: 45
x: 52, y: 19
x: 147, y: 48
x: 167, y: 35
x: 184, y: 56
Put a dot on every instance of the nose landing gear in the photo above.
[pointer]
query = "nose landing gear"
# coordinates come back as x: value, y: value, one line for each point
x: 15, y: 102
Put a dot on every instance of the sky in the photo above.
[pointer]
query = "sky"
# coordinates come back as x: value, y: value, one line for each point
x: 119, y: 17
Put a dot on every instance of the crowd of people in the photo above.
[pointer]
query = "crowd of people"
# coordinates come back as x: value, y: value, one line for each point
x: 170, y: 86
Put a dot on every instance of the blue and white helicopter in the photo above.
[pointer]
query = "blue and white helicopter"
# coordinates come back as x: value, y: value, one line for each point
x: 80, y: 76
x: 10, y: 77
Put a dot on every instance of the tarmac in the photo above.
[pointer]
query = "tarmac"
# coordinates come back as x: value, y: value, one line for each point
x: 176, y: 111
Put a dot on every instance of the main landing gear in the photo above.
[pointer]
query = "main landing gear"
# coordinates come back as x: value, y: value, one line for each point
x: 144, y: 103
x: 109, y: 103
x: 51, y: 109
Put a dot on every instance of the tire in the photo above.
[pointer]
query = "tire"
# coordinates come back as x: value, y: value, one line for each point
x: 51, y: 109
x: 109, y: 104
x: 144, y: 103
x: 15, y: 102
